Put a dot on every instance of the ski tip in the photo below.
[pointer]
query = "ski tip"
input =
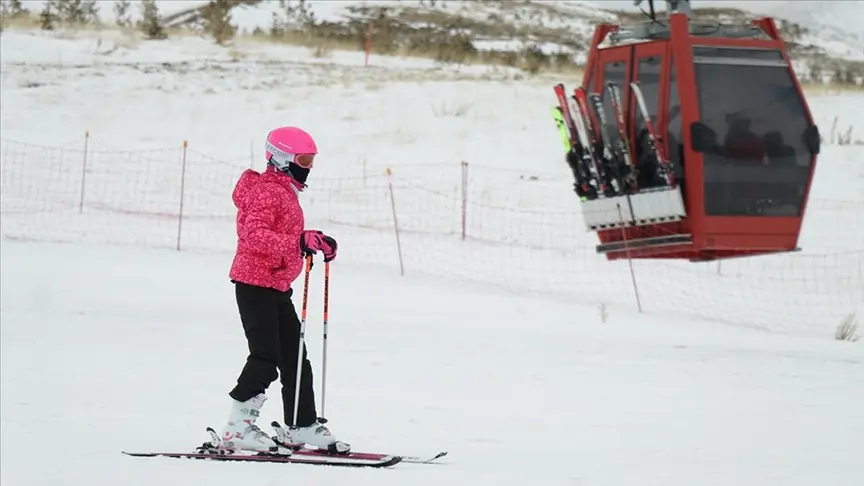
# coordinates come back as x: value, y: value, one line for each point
x: 139, y: 454
x: 424, y: 459
x: 438, y: 456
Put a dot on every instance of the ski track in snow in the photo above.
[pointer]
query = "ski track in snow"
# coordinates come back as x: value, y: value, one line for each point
x: 109, y: 348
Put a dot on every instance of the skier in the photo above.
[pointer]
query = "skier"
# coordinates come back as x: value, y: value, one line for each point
x: 270, y: 253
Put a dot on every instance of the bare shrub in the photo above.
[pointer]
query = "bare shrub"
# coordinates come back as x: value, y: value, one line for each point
x: 47, y: 17
x: 151, y: 21
x: 847, y: 330
x: 217, y: 21
x: 122, y: 16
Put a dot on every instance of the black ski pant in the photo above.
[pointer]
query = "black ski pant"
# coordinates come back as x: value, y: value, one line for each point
x: 273, y: 333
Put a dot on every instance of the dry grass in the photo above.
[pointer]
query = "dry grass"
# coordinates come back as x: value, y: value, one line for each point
x: 236, y: 55
x: 529, y: 60
x: 21, y: 22
x: 811, y: 88
x: 443, y: 36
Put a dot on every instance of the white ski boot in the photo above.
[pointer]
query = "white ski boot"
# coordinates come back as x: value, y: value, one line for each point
x: 316, y: 435
x: 241, y: 433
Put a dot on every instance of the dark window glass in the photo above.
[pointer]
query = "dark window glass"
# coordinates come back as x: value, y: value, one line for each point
x: 759, y: 162
x: 731, y: 54
x: 648, y: 77
x: 675, y: 145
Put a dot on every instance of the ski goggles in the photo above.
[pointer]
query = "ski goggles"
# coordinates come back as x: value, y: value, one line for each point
x: 281, y: 159
x: 303, y: 160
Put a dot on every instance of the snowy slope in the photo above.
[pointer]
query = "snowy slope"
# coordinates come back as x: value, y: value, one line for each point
x: 835, y: 26
x: 117, y: 348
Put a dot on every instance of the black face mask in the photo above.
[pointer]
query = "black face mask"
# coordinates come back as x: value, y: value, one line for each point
x: 298, y: 173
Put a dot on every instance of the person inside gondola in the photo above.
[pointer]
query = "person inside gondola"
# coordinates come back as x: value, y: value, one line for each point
x: 647, y: 165
x: 778, y: 152
x: 741, y: 143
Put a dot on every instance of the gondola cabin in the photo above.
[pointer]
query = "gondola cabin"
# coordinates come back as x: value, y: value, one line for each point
x: 701, y: 145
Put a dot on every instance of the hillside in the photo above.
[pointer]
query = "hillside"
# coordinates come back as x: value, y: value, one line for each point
x: 532, y: 35
x: 467, y: 302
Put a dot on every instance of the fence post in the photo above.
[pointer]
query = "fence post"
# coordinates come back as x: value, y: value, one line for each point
x: 464, y: 199
x: 368, y: 43
x: 182, y: 192
x: 629, y: 260
x: 84, y: 171
x: 395, y: 222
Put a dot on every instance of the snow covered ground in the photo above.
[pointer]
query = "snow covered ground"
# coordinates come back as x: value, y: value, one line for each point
x: 107, y: 348
x: 519, y: 350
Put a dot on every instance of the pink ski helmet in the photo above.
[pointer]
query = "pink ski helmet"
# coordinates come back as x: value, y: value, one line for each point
x: 286, y: 145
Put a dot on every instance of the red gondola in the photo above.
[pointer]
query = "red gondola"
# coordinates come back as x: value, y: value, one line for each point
x: 732, y: 123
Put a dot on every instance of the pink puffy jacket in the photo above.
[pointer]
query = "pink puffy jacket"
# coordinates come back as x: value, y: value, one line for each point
x: 269, y: 223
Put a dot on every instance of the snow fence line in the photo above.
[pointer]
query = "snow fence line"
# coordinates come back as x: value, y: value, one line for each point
x: 512, y: 229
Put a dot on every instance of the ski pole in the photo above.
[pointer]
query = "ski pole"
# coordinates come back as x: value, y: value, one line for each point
x: 324, y: 354
x: 302, y: 337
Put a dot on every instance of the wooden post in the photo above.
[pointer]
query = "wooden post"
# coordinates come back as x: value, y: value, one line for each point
x: 182, y: 192
x: 395, y: 222
x: 368, y: 43
x: 84, y: 171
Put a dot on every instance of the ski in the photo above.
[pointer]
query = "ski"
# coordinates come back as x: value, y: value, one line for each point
x: 592, y: 129
x: 561, y: 125
x: 653, y: 137
x: 623, y: 143
x: 214, y: 450
x: 575, y: 158
x: 423, y: 460
x: 602, y: 142
x: 282, y: 436
x: 405, y: 459
x: 299, y: 457
x: 566, y: 115
x: 615, y: 148
x: 588, y: 155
